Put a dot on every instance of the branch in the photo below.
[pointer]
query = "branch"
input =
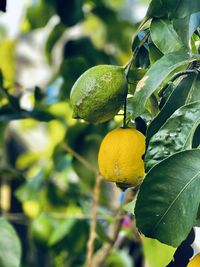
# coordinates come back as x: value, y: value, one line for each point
x: 81, y: 159
x: 92, y: 236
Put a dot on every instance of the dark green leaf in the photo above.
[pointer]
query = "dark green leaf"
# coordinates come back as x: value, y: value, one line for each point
x: 70, y: 12
x: 165, y: 37
x: 177, y: 99
x: 175, y: 135
x: 155, y: 76
x: 10, y: 248
x: 154, y: 53
x: 3, y: 5
x: 172, y: 8
x: 168, y: 200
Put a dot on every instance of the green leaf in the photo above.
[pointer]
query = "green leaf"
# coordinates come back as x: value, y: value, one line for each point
x: 70, y: 12
x: 60, y: 232
x: 54, y: 36
x: 174, y: 135
x: 10, y: 247
x: 165, y: 37
x: 172, y: 8
x: 178, y: 98
x: 168, y: 200
x: 152, y: 248
x: 154, y: 53
x: 155, y: 76
x: 130, y: 206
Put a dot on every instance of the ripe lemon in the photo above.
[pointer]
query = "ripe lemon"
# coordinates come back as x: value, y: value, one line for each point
x: 120, y: 156
x: 194, y: 262
x: 99, y: 93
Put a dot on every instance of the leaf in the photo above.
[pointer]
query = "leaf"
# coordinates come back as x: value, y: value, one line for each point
x: 168, y: 200
x: 174, y: 135
x: 172, y: 8
x: 53, y: 37
x: 70, y: 12
x: 60, y: 232
x: 3, y: 5
x: 152, y: 248
x: 155, y: 76
x: 10, y: 247
x: 178, y: 98
x: 130, y: 206
x: 165, y: 37
x: 185, y: 27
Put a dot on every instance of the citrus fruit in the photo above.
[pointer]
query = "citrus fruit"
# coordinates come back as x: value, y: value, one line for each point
x: 194, y: 262
x: 99, y: 93
x: 120, y: 156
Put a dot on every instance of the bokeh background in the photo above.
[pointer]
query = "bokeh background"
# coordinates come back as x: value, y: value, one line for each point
x: 47, y: 159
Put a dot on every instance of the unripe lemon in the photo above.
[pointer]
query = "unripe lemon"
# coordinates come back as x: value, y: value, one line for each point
x: 99, y: 93
x: 195, y: 262
x: 120, y: 156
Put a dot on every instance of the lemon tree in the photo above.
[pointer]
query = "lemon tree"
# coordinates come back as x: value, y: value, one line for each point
x: 127, y: 112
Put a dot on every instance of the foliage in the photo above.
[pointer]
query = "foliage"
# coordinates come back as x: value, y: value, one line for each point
x: 48, y: 181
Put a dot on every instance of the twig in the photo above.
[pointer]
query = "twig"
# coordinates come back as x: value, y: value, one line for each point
x: 81, y: 159
x: 92, y: 236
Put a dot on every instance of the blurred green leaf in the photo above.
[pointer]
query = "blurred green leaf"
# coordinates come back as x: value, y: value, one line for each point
x: 175, y: 135
x: 61, y: 231
x: 10, y: 247
x: 119, y: 258
x: 170, y: 191
x: 152, y: 248
x: 70, y: 12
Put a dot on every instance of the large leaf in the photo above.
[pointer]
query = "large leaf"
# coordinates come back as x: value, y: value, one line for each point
x: 168, y: 200
x: 172, y: 8
x: 165, y: 37
x: 10, y: 248
x: 155, y: 76
x: 174, y: 135
x: 186, y: 91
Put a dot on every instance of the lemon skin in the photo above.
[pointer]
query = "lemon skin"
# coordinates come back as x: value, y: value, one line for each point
x: 194, y: 262
x: 120, y: 156
x: 99, y: 93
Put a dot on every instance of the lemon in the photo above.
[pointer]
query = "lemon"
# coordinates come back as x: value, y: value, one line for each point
x: 194, y: 262
x: 99, y: 93
x: 120, y: 156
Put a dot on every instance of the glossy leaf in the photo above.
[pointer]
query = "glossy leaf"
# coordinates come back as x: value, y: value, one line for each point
x: 165, y: 37
x: 172, y: 8
x: 174, y: 135
x: 168, y: 200
x: 10, y: 247
x: 178, y: 98
x: 156, y: 75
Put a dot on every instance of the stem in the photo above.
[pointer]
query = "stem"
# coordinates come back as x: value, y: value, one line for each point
x: 177, y: 75
x: 81, y: 159
x: 92, y: 236
x: 125, y: 106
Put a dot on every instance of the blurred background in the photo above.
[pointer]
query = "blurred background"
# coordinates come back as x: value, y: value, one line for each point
x: 47, y: 159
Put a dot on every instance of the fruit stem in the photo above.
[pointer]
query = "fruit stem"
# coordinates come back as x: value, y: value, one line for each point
x: 125, y: 107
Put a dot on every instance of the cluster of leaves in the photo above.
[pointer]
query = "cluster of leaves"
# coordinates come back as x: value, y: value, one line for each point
x: 167, y: 98
x: 51, y: 185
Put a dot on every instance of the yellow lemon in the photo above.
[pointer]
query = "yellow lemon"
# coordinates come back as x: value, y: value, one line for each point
x: 120, y: 156
x: 99, y: 93
x: 194, y: 262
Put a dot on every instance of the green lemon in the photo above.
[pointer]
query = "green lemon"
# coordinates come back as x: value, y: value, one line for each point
x: 99, y: 93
